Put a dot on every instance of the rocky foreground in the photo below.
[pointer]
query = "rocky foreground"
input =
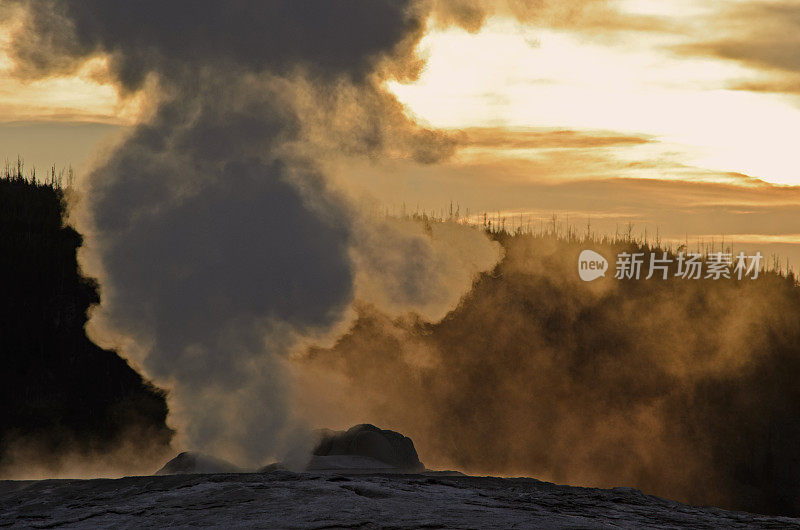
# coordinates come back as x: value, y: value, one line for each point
x: 282, y: 499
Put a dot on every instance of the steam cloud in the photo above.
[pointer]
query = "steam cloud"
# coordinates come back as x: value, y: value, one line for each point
x: 682, y: 389
x: 220, y: 243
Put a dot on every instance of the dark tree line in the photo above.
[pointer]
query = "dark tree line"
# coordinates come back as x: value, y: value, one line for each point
x: 59, y: 392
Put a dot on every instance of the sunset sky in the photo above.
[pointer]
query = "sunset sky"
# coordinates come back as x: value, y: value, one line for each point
x: 679, y: 116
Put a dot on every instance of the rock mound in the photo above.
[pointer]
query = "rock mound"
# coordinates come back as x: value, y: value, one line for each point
x: 365, y: 440
x: 188, y: 462
x: 349, y: 464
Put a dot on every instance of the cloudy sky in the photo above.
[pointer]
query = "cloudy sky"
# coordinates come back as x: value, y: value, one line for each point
x: 680, y: 116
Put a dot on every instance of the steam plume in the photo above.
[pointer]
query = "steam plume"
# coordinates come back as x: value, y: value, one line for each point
x: 219, y: 242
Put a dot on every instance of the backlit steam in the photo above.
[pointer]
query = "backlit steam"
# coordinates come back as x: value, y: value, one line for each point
x: 220, y: 245
x: 686, y: 389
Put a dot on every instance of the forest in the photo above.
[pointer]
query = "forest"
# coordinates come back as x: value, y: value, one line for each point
x: 60, y: 394
x: 686, y: 389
